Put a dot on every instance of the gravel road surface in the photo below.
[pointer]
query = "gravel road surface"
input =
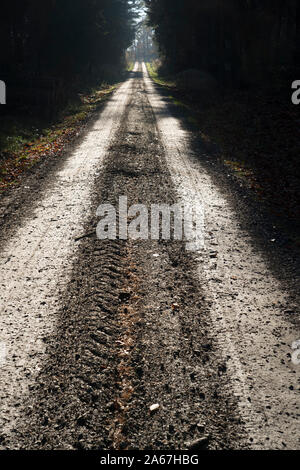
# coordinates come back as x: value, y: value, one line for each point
x: 94, y: 332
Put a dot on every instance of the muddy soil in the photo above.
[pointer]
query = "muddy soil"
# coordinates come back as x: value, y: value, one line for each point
x: 134, y: 323
x: 133, y: 328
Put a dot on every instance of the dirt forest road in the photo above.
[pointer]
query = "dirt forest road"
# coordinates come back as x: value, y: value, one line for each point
x: 93, y: 332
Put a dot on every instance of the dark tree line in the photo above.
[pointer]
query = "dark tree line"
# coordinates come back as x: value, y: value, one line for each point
x: 62, y: 41
x: 238, y: 41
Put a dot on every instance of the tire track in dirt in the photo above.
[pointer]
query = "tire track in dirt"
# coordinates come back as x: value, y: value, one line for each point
x: 133, y: 329
x: 254, y: 310
x: 37, y: 254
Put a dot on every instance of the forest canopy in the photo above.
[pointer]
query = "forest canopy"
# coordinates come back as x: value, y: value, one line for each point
x: 52, y: 48
x: 238, y: 41
x: 64, y: 37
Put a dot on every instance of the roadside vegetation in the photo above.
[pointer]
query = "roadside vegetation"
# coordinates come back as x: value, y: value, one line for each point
x: 25, y: 141
x: 253, y: 133
x: 60, y: 62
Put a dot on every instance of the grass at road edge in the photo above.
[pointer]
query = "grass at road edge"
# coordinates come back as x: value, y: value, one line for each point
x: 24, y: 141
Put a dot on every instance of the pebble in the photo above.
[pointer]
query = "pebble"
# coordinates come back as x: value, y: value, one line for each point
x: 198, y: 444
x: 154, y: 407
x: 201, y: 427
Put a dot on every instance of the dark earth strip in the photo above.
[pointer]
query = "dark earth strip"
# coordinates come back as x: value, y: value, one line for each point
x: 133, y: 329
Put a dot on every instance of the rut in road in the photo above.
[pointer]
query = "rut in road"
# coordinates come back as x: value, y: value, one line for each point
x: 133, y: 328
x: 92, y: 333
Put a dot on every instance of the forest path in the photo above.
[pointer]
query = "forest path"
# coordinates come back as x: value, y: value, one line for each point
x: 93, y: 332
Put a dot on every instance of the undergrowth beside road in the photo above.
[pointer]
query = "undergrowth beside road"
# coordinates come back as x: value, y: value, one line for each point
x: 25, y: 140
x: 159, y: 79
x: 130, y: 66
x: 255, y: 134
